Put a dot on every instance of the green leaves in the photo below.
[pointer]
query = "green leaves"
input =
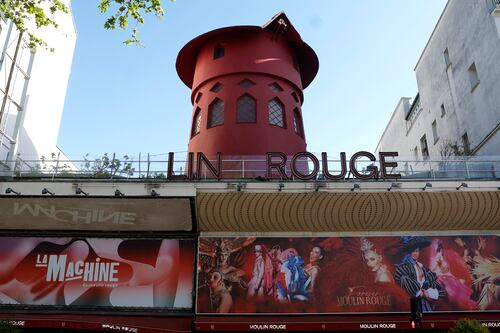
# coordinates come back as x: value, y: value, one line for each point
x: 36, y: 11
x: 41, y: 12
x: 468, y: 326
x: 127, y: 10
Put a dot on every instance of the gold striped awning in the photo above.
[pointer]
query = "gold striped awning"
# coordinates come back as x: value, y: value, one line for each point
x: 348, y: 212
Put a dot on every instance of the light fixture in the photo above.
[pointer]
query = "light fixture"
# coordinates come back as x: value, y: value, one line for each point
x: 154, y: 193
x: 427, y: 185
x: 462, y: 185
x: 45, y: 191
x: 80, y: 191
x: 355, y: 187
x: 393, y: 185
x: 118, y: 193
x: 280, y: 187
x: 239, y: 186
x: 318, y: 185
x: 10, y: 190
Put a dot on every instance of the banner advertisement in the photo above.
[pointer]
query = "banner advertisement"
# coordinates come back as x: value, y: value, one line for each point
x: 97, y: 272
x: 256, y: 275
x: 106, y: 214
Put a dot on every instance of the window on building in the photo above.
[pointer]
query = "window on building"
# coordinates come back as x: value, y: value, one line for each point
x: 424, y: 147
x: 297, y: 122
x: 443, y: 110
x: 195, y: 129
x: 473, y: 77
x: 447, y: 60
x: 217, y: 87
x: 415, y: 153
x: 198, y: 97
x: 246, y: 109
x: 295, y: 97
x: 466, y: 144
x: 276, y: 112
x: 218, y: 52
x: 275, y: 87
x: 216, y: 113
x: 246, y: 83
x: 435, y: 135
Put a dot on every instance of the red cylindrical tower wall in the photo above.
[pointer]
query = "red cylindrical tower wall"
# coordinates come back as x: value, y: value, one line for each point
x: 261, y: 66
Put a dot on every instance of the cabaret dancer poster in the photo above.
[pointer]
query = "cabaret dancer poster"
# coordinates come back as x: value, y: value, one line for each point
x: 250, y: 275
x: 97, y: 272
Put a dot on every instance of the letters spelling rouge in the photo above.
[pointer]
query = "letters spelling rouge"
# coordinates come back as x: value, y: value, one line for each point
x: 277, y: 161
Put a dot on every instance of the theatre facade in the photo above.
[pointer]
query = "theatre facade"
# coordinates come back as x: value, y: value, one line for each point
x: 271, y: 255
x: 256, y: 234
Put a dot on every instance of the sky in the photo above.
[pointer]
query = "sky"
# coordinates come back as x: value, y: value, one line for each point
x: 129, y: 99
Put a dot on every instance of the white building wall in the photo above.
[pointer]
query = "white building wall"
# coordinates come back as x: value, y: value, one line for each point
x: 46, y: 88
x: 467, y: 29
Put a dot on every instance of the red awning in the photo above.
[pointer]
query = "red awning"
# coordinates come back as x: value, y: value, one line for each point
x: 352, y: 322
x: 155, y: 323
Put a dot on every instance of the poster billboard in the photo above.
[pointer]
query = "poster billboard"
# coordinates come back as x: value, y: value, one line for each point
x: 296, y: 275
x: 97, y: 272
x: 87, y: 213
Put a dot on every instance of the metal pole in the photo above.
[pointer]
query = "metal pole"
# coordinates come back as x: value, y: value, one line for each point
x: 57, y: 166
x: 9, y: 80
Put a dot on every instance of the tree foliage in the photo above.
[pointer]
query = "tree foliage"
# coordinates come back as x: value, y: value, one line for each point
x: 468, y: 326
x: 452, y: 148
x: 107, y: 166
x: 42, y: 13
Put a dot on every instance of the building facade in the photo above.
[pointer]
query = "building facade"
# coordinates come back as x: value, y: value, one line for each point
x: 31, y: 109
x: 181, y: 254
x: 456, y: 110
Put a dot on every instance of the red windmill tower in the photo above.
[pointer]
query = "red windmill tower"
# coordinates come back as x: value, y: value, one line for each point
x: 247, y: 89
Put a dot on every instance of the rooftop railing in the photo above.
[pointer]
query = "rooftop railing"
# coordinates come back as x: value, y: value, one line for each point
x: 493, y: 4
x: 248, y: 167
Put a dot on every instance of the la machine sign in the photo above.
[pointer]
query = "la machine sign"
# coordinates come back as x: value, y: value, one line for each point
x: 277, y: 164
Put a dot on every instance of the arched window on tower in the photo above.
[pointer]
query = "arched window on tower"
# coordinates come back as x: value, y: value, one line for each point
x: 246, y: 109
x: 298, y: 127
x: 276, y: 112
x: 196, y: 122
x: 216, y: 113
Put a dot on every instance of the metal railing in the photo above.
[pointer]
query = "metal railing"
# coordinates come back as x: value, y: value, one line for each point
x: 493, y: 4
x: 250, y: 167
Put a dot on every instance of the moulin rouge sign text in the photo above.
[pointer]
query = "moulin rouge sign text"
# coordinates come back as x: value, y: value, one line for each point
x: 277, y: 164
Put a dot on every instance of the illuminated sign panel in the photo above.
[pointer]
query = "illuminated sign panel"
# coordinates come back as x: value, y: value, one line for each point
x: 150, y: 273
x: 296, y: 275
x: 107, y: 214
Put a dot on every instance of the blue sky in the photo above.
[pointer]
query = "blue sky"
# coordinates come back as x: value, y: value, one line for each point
x: 128, y: 99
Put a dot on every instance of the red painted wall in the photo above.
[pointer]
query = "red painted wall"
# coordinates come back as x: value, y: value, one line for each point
x: 264, y: 58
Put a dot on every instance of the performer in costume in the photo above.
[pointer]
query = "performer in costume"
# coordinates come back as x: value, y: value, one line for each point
x: 312, y: 268
x: 261, y: 282
x: 453, y: 276
x: 220, y: 295
x: 375, y: 261
x: 414, y: 277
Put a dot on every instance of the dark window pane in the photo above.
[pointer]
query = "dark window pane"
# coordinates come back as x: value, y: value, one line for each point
x: 246, y: 84
x: 216, y: 113
x: 217, y: 87
x: 246, y: 109
x: 196, y: 122
x: 218, y: 52
x: 198, y: 97
x: 276, y: 114
x: 275, y: 87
